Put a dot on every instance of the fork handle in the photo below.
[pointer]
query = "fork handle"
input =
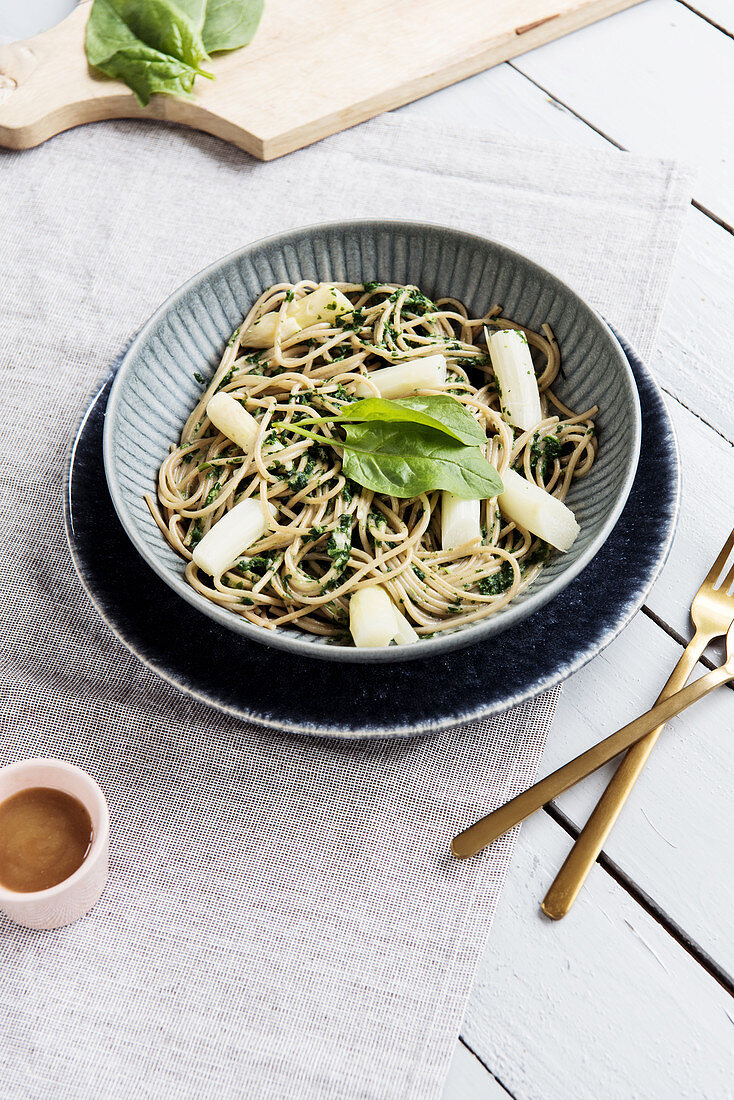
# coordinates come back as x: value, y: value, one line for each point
x: 500, y: 821
x: 590, y: 841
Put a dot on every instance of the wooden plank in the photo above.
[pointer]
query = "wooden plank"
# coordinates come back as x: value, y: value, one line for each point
x: 673, y: 837
x: 313, y: 68
x: 657, y: 79
x: 469, y: 1080
x: 603, y: 1004
x: 693, y: 360
x: 504, y: 101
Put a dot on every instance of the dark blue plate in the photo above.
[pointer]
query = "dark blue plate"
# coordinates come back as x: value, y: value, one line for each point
x: 257, y: 683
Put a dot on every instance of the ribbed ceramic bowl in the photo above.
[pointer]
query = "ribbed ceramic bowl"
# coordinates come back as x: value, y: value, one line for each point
x: 154, y: 390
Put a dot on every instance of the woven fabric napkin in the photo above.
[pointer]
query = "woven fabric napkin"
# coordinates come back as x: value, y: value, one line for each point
x: 282, y: 917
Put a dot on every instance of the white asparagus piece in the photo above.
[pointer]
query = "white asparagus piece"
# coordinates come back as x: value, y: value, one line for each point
x: 324, y: 304
x: 405, y: 635
x: 230, y: 536
x: 234, y: 421
x: 515, y: 373
x: 537, y: 511
x: 460, y: 524
x: 427, y: 373
x: 262, y: 333
x: 372, y: 619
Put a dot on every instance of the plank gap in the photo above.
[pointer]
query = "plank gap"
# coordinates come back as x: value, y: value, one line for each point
x: 714, y: 217
x: 643, y: 899
x: 707, y: 423
x: 706, y: 18
x: 673, y: 633
x: 565, y: 106
x: 484, y: 1065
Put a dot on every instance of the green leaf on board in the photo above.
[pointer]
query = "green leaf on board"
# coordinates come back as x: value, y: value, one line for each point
x: 157, y: 46
x: 230, y: 24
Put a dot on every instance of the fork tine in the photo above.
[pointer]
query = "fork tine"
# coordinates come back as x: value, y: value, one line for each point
x: 715, y: 570
x: 728, y: 581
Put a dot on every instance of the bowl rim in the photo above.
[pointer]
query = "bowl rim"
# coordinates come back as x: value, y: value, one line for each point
x: 427, y: 647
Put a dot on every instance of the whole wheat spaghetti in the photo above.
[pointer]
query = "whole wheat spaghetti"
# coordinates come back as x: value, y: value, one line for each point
x: 329, y: 537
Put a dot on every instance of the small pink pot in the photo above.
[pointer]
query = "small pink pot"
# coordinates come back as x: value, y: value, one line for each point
x: 75, y: 896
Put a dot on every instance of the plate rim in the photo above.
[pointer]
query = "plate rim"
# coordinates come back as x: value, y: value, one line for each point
x: 427, y: 648
x: 421, y: 728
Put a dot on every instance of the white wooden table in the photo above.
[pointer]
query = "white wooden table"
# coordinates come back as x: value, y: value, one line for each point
x: 630, y: 995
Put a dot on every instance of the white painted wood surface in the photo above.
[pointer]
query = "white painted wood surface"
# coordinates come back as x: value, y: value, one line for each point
x: 603, y: 1006
x: 669, y: 838
x: 693, y: 360
x: 610, y: 1002
x: 659, y: 80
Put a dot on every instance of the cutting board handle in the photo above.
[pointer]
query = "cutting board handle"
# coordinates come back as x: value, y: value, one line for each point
x: 46, y: 86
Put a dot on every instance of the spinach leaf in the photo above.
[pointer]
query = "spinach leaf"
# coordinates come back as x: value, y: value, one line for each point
x: 158, y: 46
x: 152, y: 46
x: 454, y: 418
x: 403, y: 460
x: 230, y: 24
x: 411, y: 446
x: 441, y: 413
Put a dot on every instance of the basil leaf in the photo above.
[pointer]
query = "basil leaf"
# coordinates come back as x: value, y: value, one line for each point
x: 230, y: 24
x: 403, y: 460
x: 442, y: 413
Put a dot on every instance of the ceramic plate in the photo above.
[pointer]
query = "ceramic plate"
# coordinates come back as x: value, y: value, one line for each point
x: 302, y: 695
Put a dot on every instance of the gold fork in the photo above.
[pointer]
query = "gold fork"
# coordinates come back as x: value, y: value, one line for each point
x: 712, y: 613
x: 483, y: 832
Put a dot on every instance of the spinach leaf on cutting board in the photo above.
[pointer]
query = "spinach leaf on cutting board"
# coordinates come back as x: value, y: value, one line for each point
x: 230, y: 24
x: 157, y: 46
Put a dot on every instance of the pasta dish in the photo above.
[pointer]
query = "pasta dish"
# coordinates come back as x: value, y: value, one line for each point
x: 372, y: 466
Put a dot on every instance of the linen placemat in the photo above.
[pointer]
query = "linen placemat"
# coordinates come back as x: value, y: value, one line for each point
x: 282, y: 918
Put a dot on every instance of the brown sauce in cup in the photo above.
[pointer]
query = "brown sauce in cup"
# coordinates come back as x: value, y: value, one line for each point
x: 45, y: 835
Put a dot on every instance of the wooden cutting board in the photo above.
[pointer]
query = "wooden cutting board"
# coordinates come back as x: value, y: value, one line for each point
x: 314, y: 67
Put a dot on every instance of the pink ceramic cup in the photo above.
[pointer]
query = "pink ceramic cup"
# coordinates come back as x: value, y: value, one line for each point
x: 75, y: 896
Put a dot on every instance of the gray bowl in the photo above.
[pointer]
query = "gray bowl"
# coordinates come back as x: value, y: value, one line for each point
x: 154, y: 390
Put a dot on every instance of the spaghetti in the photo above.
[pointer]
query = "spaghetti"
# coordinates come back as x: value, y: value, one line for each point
x: 330, y: 537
